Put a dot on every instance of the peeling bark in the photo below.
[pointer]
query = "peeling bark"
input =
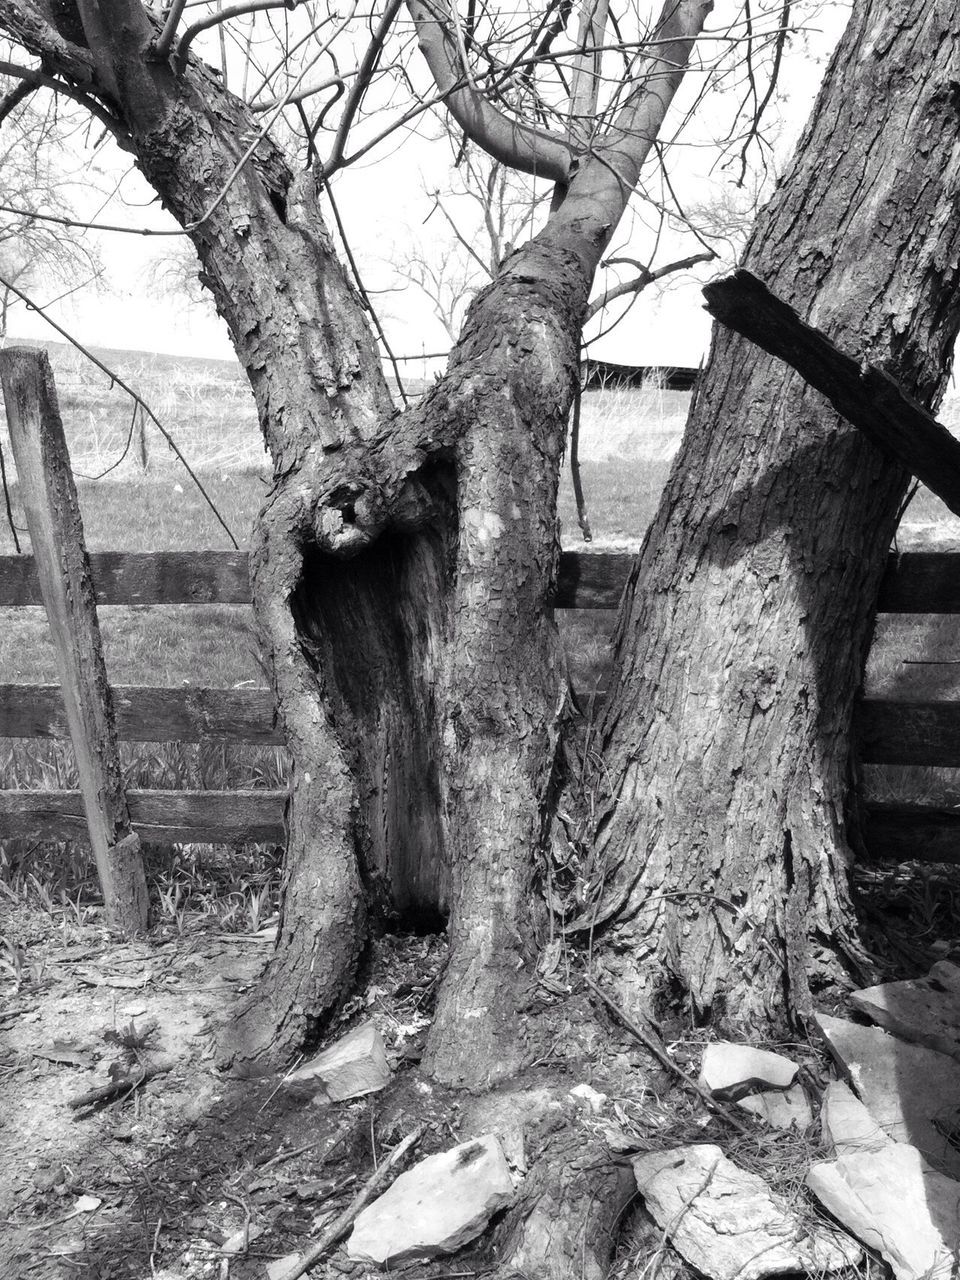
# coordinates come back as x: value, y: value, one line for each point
x: 741, y: 640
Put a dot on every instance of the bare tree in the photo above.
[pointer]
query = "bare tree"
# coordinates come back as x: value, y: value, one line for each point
x: 37, y: 177
x: 404, y: 562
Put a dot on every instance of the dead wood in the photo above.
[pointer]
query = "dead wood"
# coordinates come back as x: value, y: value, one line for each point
x: 865, y: 395
x: 116, y: 1088
x: 343, y: 1222
x: 652, y: 1046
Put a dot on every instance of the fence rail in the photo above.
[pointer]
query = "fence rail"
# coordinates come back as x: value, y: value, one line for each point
x: 890, y: 731
x: 915, y: 582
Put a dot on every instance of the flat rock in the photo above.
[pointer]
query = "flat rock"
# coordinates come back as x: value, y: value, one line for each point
x: 845, y: 1122
x: 786, y: 1109
x: 912, y: 1092
x: 727, y: 1222
x: 923, y: 1010
x: 729, y: 1068
x: 436, y: 1207
x: 354, y: 1066
x: 894, y: 1202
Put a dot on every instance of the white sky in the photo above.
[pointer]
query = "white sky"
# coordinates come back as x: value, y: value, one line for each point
x: 381, y: 201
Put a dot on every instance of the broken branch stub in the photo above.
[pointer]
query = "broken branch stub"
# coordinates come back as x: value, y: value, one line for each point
x: 865, y: 395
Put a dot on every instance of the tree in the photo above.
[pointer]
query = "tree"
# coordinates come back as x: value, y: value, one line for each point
x: 404, y: 562
x: 738, y: 763
x: 36, y: 180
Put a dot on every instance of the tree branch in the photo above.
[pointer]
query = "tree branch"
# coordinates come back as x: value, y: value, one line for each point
x: 519, y: 145
x: 224, y: 15
x: 645, y: 278
x: 365, y: 74
x: 862, y: 393
x: 165, y: 40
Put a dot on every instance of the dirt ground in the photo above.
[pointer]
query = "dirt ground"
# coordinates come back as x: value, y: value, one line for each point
x: 160, y: 1181
x: 151, y: 1183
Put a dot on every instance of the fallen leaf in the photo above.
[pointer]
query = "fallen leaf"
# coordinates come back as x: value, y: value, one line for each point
x: 70, y: 1055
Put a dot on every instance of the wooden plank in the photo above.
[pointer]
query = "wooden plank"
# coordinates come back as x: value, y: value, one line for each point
x: 915, y: 582
x: 157, y: 577
x: 49, y: 497
x: 143, y: 714
x: 175, y: 817
x: 921, y: 582
x: 864, y: 394
x: 911, y: 833
x: 587, y: 579
x: 592, y: 579
x: 890, y: 731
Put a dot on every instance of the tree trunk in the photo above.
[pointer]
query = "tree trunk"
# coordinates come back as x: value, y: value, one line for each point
x: 740, y: 644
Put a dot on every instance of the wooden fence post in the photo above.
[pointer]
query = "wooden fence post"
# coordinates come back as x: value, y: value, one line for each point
x: 49, y: 497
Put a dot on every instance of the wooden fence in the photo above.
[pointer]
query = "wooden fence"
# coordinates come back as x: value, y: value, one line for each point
x: 889, y: 731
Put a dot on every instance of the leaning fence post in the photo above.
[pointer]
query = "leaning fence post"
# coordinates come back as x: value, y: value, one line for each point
x: 49, y: 498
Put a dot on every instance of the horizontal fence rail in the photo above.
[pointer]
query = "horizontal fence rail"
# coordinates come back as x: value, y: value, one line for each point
x: 915, y: 582
x: 169, y: 714
x: 173, y: 817
x: 919, y: 731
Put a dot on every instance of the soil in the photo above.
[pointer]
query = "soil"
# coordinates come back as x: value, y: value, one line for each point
x: 152, y: 1182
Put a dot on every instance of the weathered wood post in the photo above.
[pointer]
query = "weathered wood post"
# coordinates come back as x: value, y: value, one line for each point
x: 49, y: 497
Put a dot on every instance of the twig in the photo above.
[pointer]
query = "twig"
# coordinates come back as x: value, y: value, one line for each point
x: 341, y: 1225
x: 661, y: 1055
x: 116, y: 1088
x: 6, y: 499
x: 114, y: 377
x: 299, y: 1151
x: 582, y: 518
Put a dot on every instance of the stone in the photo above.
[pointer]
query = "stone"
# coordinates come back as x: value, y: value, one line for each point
x: 585, y: 1094
x: 354, y: 1066
x: 282, y: 1268
x: 731, y: 1069
x: 846, y: 1124
x: 727, y: 1223
x: 913, y: 1093
x: 435, y: 1208
x: 786, y: 1109
x: 238, y: 1242
x: 923, y: 1010
x: 893, y: 1201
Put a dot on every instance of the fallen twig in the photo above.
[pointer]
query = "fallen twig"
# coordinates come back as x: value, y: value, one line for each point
x: 659, y: 1052
x: 281, y: 1156
x: 341, y: 1224
x: 116, y: 1088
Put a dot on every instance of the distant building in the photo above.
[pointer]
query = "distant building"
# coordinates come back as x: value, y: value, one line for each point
x: 603, y: 374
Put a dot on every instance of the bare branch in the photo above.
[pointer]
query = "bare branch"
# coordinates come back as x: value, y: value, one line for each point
x: 29, y: 84
x: 115, y: 377
x: 164, y: 42
x: 88, y: 226
x: 645, y: 278
x: 224, y: 15
x: 511, y: 141
x: 367, y: 68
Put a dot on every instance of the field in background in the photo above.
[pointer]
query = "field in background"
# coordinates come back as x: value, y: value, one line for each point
x: 627, y: 441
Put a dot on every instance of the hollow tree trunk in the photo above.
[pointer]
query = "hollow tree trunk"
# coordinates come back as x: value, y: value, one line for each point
x: 742, y: 636
x: 403, y: 565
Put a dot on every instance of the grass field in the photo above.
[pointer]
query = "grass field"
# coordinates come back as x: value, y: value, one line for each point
x: 146, y: 502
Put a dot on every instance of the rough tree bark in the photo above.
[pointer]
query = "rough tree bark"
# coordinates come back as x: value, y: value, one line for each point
x: 403, y: 564
x: 742, y: 636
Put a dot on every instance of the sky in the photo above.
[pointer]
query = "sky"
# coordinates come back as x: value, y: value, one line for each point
x: 383, y: 201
